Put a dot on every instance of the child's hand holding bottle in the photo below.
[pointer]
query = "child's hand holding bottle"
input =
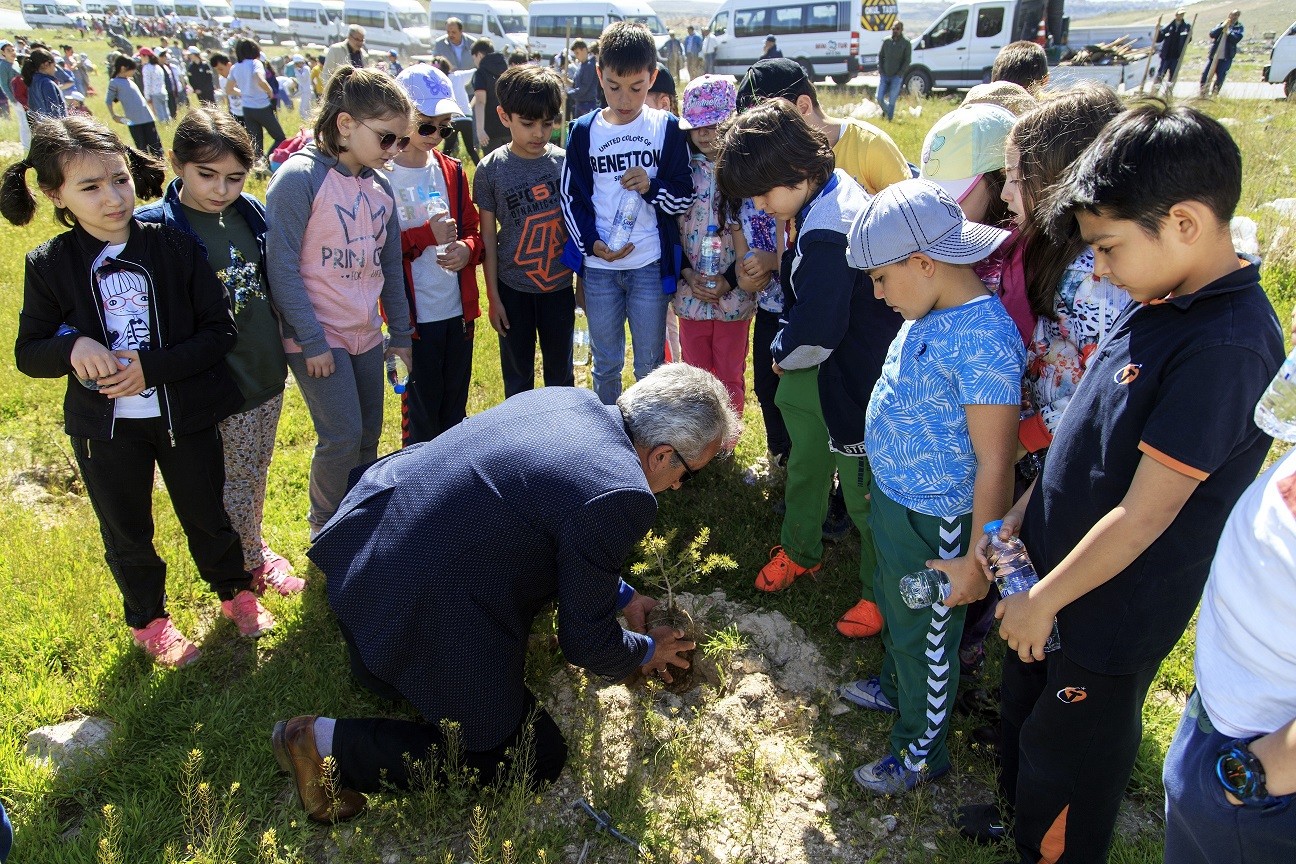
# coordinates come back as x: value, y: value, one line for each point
x: 92, y: 361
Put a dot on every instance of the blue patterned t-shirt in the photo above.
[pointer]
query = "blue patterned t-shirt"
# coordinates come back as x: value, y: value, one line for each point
x: 916, y: 432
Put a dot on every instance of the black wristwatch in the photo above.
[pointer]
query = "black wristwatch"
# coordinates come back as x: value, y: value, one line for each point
x: 1240, y: 772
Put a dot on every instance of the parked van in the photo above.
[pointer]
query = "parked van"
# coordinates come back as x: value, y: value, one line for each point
x: 265, y: 18
x: 398, y: 24
x: 837, y: 38
x: 205, y: 12
x: 504, y: 22
x: 153, y: 8
x: 588, y: 19
x: 109, y: 7
x: 316, y: 21
x: 1282, y: 62
x: 51, y: 13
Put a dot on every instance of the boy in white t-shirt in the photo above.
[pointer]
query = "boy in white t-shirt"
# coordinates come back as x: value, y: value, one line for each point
x: 626, y: 146
x: 1230, y: 773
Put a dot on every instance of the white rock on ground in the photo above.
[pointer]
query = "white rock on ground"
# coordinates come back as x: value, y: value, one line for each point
x: 67, y: 743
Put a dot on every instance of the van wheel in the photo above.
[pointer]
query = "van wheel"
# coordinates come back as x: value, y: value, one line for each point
x: 918, y: 82
x: 1289, y: 86
x: 842, y: 77
x: 809, y: 70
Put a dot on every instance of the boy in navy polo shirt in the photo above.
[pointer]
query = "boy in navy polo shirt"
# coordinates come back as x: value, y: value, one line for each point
x: 1153, y: 451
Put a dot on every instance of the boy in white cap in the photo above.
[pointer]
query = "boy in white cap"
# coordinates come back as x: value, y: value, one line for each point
x: 441, y: 256
x: 301, y: 70
x: 941, y: 439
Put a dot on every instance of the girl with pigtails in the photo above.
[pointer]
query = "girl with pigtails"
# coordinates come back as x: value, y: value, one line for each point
x: 133, y: 316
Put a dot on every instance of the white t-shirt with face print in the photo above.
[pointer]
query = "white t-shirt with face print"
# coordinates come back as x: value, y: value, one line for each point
x: 125, y: 298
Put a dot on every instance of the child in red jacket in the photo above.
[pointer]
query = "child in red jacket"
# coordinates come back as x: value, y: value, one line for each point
x: 441, y: 256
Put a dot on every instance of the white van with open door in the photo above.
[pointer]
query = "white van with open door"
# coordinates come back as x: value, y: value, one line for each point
x: 504, y: 22
x: 835, y: 38
x: 318, y: 21
x: 50, y: 13
x: 957, y: 51
x: 552, y: 20
x: 1282, y: 63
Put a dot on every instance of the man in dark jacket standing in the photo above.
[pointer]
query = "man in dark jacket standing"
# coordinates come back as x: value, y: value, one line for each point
x: 442, y: 555
x: 893, y: 61
x: 200, y: 77
x: 1225, y: 37
x: 491, y: 131
x: 1173, y: 37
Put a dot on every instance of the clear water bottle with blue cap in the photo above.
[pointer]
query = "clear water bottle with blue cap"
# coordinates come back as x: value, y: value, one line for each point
x: 1013, y: 571
x: 710, y: 256
x: 397, y: 372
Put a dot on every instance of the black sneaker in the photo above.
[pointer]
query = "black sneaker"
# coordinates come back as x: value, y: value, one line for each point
x: 988, y: 736
x: 980, y: 823
x: 975, y: 701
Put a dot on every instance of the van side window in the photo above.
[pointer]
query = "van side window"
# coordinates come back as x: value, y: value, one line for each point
x: 750, y: 22
x: 989, y: 21
x: 948, y: 30
x: 720, y: 24
x: 822, y: 18
x: 786, y: 19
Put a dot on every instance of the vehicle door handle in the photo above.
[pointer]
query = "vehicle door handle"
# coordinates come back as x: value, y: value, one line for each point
x: 996, y: 47
x: 961, y: 48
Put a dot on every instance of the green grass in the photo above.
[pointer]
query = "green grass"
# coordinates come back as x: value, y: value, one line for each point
x: 190, y: 776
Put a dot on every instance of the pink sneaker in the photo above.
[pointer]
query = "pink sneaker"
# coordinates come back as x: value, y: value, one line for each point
x: 275, y: 572
x: 269, y: 556
x: 164, y: 642
x: 248, y: 613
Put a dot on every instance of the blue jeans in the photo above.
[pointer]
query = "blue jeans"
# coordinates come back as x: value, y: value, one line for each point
x: 1202, y: 826
x: 888, y: 92
x: 611, y: 298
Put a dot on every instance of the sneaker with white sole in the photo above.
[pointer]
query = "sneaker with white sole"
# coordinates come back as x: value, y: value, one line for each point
x: 246, y: 611
x: 867, y: 693
x: 164, y: 642
x: 275, y: 572
x: 887, y: 776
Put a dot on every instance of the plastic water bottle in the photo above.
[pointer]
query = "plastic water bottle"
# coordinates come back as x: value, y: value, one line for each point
x: 436, y: 206
x: 623, y: 221
x: 1276, y: 411
x: 1013, y: 570
x: 397, y: 372
x: 708, y: 263
x: 924, y: 588
x: 581, y: 339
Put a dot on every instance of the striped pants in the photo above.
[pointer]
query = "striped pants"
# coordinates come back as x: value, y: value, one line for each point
x: 920, y: 671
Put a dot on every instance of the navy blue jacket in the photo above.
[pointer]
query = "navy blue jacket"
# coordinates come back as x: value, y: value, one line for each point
x: 45, y: 97
x: 169, y: 211
x: 442, y: 555
x: 669, y: 194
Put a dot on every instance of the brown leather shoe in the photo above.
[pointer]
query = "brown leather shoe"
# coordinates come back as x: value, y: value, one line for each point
x: 294, y: 748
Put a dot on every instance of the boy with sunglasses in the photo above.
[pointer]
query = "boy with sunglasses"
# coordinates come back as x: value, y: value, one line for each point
x: 528, y: 286
x: 440, y: 258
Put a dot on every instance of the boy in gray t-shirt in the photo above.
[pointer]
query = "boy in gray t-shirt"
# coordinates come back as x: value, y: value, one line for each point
x: 121, y: 88
x: 528, y: 287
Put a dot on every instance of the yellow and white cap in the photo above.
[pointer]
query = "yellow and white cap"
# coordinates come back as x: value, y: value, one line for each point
x: 965, y: 144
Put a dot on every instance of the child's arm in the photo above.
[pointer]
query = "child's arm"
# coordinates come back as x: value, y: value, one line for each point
x: 1153, y: 501
x: 816, y: 324
x: 671, y: 191
x: 490, y: 270
x: 214, y: 331
x: 1277, y: 753
x: 288, y: 208
x: 395, y: 304
x: 993, y: 430
x: 466, y: 251
x: 38, y: 351
x: 577, y: 190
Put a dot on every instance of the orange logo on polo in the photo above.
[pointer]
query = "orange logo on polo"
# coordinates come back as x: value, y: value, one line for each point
x: 1072, y: 695
x: 1127, y: 374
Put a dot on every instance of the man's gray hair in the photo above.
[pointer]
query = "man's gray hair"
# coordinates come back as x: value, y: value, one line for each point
x: 453, y: 20
x: 355, y: 30
x: 680, y: 405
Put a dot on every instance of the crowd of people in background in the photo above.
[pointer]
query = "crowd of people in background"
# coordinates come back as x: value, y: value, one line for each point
x: 1037, y: 324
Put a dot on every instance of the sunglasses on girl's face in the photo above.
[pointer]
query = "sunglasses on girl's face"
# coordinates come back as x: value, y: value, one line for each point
x: 426, y: 129
x: 387, y: 140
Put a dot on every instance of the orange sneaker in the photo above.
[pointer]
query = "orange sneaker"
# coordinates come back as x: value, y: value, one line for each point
x: 781, y: 571
x: 863, y: 619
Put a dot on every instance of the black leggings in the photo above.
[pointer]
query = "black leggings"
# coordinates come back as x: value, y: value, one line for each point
x: 258, y: 120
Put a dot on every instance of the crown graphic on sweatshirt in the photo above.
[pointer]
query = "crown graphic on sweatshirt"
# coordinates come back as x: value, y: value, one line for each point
x: 355, y: 226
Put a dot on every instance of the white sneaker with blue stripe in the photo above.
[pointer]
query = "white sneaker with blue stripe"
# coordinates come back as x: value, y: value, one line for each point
x: 867, y: 693
x: 887, y: 776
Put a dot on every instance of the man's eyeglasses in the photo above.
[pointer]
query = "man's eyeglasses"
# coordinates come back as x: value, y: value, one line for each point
x: 387, y: 140
x: 426, y: 129
x: 689, y: 473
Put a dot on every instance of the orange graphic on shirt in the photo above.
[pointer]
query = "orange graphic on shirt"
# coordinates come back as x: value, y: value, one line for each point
x: 540, y: 246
